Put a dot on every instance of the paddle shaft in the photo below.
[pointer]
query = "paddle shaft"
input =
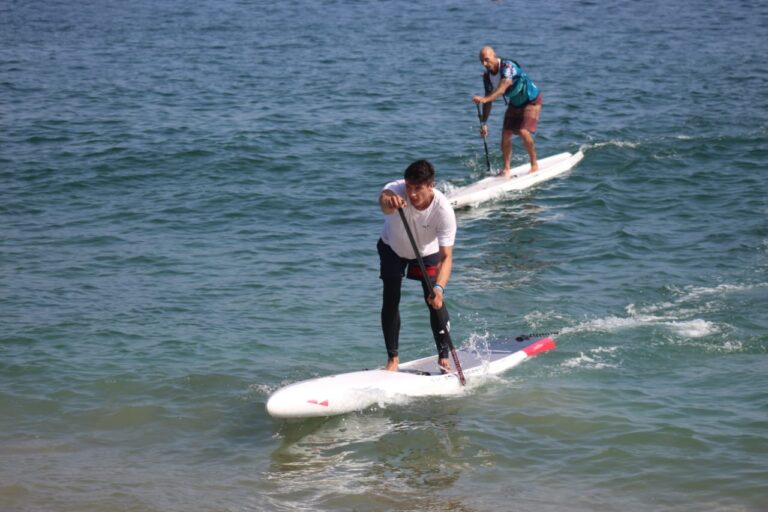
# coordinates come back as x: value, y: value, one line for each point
x: 429, y: 286
x: 485, y: 142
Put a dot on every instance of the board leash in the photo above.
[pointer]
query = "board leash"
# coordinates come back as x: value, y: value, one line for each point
x: 425, y: 278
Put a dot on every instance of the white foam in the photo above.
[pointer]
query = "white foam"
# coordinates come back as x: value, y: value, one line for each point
x: 633, y: 310
x: 694, y: 328
x: 726, y: 347
x: 697, y: 292
x: 616, y: 323
x: 604, y: 350
x: 731, y: 346
x: 539, y: 320
x: 611, y: 143
x: 262, y: 389
x: 593, y: 360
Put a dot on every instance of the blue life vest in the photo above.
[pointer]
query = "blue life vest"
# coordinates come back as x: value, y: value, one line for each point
x: 522, y: 90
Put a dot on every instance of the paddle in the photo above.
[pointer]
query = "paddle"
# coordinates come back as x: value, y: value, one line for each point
x: 485, y: 143
x: 441, y: 313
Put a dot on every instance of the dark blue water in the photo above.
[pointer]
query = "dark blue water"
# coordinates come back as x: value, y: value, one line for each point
x: 188, y: 222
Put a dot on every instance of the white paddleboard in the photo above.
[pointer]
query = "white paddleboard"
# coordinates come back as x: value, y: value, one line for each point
x: 354, y: 391
x: 519, y: 179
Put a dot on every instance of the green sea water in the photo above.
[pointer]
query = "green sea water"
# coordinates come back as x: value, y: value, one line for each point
x: 188, y: 222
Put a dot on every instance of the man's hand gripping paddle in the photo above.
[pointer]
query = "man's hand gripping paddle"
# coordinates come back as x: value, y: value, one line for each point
x: 441, y: 313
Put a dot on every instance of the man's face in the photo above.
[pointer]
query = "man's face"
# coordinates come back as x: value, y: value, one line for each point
x: 420, y: 194
x: 489, y: 61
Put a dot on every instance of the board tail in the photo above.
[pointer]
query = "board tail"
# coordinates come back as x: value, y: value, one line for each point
x: 541, y: 346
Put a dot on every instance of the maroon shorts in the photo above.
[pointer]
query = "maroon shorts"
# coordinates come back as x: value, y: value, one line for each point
x: 525, y: 117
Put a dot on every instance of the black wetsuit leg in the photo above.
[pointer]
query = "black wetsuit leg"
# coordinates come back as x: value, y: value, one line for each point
x: 440, y: 323
x: 391, y: 273
x: 390, y: 314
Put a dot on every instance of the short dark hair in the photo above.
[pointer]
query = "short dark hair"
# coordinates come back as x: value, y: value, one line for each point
x: 420, y: 171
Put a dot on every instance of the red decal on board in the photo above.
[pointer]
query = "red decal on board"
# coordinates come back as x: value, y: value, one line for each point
x: 323, y: 403
x: 540, y: 346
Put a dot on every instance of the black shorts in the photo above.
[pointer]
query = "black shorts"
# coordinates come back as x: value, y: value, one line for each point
x: 393, y: 266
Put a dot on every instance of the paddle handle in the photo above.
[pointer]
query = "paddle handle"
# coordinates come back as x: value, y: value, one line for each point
x: 441, y: 311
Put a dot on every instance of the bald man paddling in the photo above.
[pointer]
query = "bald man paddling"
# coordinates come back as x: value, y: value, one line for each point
x: 504, y: 78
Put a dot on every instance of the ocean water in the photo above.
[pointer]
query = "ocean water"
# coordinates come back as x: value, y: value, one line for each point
x: 188, y: 222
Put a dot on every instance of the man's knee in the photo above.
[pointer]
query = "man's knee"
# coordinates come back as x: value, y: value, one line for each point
x: 526, y: 137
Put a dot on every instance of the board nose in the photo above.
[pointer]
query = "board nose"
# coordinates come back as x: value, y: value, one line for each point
x: 543, y: 345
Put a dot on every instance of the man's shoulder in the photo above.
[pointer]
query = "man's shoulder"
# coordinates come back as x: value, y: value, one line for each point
x: 441, y: 198
x: 443, y: 204
x: 507, y: 68
x: 394, y: 185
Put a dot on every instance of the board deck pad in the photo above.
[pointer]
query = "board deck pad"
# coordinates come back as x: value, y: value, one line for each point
x: 468, y: 358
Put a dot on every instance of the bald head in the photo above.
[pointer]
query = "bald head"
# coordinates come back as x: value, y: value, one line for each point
x: 488, y: 59
x: 487, y: 51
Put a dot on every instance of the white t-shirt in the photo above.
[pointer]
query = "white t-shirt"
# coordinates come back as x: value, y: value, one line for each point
x: 433, y: 227
x: 495, y: 79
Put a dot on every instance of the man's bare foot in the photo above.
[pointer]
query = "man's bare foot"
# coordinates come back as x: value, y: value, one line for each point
x: 534, y: 167
x: 505, y: 173
x: 444, y: 364
x: 392, y: 364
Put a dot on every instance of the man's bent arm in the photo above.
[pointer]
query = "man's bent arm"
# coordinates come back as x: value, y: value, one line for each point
x: 390, y: 202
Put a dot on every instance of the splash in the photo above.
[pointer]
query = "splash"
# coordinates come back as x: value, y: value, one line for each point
x: 446, y: 187
x: 477, y: 342
x: 694, y: 328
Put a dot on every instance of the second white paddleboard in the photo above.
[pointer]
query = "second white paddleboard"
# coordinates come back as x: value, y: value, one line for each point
x: 520, y: 178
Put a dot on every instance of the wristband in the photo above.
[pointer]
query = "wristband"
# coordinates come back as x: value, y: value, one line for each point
x: 442, y: 290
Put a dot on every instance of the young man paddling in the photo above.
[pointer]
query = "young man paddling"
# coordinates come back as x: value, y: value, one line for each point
x: 433, y: 224
x: 504, y: 78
